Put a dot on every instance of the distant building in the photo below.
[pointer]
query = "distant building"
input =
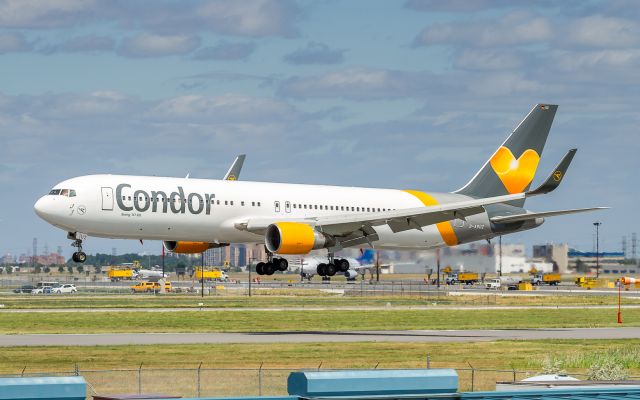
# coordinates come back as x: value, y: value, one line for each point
x: 611, y: 262
x: 553, y: 253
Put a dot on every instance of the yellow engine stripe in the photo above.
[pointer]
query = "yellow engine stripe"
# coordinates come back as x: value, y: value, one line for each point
x: 445, y: 228
x: 296, y: 238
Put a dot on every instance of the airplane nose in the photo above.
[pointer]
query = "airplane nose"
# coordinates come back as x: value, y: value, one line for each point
x: 41, y: 208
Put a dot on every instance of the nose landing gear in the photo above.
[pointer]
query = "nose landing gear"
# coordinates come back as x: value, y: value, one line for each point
x: 78, y: 256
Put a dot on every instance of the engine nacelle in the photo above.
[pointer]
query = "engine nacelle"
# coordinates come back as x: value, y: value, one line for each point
x: 190, y: 247
x: 350, y: 274
x: 295, y: 238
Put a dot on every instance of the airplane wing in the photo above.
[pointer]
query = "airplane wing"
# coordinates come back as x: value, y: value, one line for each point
x: 234, y: 171
x: 358, y: 229
x: 533, y: 215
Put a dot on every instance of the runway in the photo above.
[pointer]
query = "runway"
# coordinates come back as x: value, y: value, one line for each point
x: 417, y: 336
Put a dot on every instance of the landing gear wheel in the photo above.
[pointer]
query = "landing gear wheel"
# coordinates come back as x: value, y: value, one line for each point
x: 260, y: 268
x: 322, y: 269
x: 269, y: 269
x: 331, y: 269
x: 342, y: 265
x: 79, y: 257
x: 281, y: 264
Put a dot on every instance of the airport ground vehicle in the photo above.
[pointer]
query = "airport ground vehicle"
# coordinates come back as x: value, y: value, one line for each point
x: 67, y: 288
x: 24, y: 289
x: 146, y: 286
x: 493, y: 284
x: 210, y: 275
x: 42, y: 290
x: 119, y: 273
x: 468, y: 278
x: 550, y: 278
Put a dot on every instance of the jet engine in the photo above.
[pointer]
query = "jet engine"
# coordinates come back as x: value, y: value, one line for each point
x: 350, y: 274
x: 295, y: 238
x: 190, y: 247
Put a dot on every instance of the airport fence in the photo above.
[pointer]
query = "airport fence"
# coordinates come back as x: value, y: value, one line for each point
x: 228, y: 382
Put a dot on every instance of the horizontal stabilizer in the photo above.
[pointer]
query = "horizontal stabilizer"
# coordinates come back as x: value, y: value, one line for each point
x: 555, y: 178
x: 524, y: 217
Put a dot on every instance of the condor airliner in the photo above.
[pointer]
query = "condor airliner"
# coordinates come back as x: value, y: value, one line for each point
x: 193, y: 215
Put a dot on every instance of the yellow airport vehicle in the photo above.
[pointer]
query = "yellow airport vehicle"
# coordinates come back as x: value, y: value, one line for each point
x: 120, y: 273
x: 525, y: 286
x: 210, y: 274
x: 146, y: 286
x: 549, y: 278
x: 468, y: 278
x: 590, y: 282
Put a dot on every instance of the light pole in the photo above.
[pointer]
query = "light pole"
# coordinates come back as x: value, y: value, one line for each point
x: 500, y: 247
x: 251, y: 260
x: 597, y: 225
x: 202, y: 277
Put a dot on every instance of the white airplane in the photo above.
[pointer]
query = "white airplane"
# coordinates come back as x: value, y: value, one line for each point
x: 316, y: 265
x: 193, y: 215
x: 149, y: 273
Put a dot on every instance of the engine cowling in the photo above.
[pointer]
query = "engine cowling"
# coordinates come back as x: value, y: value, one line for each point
x: 183, y: 247
x: 350, y: 274
x: 295, y: 238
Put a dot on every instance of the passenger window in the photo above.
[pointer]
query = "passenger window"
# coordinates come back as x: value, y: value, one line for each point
x: 368, y: 209
x: 341, y: 208
x: 231, y: 202
x: 305, y: 206
x: 316, y: 206
x: 218, y: 202
x: 331, y: 208
x: 129, y: 198
x: 287, y: 206
x: 253, y: 204
x: 258, y: 204
x: 358, y: 208
x: 294, y: 205
x: 226, y: 202
x: 242, y: 203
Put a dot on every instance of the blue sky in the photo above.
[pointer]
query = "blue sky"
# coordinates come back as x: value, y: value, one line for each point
x: 401, y: 94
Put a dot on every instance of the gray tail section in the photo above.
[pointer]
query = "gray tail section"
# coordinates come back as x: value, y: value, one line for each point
x: 512, y: 166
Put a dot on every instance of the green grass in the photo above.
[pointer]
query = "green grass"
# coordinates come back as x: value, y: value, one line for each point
x: 503, y: 355
x: 245, y: 321
x: 262, y: 300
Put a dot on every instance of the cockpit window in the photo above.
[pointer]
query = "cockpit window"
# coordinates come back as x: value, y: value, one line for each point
x: 63, y: 192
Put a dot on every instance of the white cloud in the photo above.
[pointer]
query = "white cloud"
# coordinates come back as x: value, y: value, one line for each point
x: 13, y: 42
x: 359, y: 84
x: 44, y: 14
x: 315, y: 53
x: 512, y: 29
x: 151, y: 45
x: 602, y: 31
x: 615, y: 58
x: 487, y: 59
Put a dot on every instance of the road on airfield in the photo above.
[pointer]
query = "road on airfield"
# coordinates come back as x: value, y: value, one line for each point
x: 417, y: 336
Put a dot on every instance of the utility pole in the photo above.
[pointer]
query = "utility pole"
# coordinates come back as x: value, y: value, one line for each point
x: 202, y: 277
x: 597, y: 225
x: 438, y: 268
x: 377, y: 267
x: 161, y: 244
x: 500, y: 249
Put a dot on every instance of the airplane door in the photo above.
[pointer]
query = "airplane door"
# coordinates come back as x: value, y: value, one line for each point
x: 107, y: 198
x: 287, y: 206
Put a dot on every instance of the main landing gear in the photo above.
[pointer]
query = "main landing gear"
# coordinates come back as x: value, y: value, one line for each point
x: 78, y: 256
x: 333, y: 266
x: 272, y: 265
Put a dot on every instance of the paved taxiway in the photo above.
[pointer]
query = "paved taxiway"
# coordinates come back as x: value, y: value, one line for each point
x: 419, y: 336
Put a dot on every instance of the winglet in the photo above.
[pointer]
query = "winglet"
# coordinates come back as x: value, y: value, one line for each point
x: 555, y: 178
x: 234, y: 171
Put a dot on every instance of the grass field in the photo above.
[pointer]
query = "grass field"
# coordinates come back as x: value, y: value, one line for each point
x: 504, y: 355
x: 308, y: 320
x: 283, y: 301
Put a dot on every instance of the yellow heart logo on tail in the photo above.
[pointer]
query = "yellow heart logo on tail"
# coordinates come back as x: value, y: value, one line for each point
x: 515, y: 174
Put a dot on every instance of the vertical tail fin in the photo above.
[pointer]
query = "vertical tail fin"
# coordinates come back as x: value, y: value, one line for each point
x: 513, y: 165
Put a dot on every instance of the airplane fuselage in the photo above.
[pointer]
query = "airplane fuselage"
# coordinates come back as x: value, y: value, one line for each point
x: 164, y: 208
